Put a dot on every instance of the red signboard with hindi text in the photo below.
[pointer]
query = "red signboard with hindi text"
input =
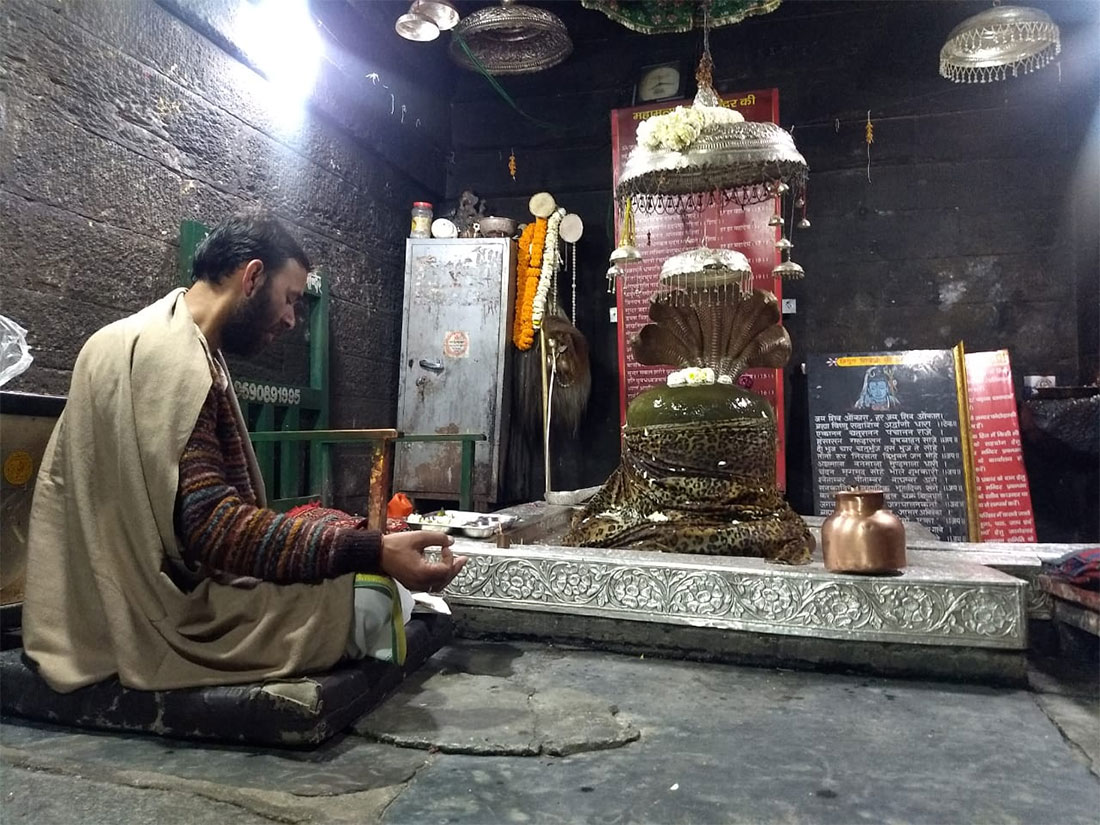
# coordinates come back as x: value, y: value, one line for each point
x: 1004, y: 498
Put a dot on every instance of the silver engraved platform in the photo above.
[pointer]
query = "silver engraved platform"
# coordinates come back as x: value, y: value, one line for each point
x: 1024, y: 561
x: 937, y: 600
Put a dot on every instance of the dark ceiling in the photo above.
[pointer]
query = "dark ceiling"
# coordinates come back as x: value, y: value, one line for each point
x: 366, y: 28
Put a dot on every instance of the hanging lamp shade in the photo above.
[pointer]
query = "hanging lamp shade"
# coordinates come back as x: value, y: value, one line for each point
x: 441, y: 12
x: 665, y: 16
x: 692, y: 156
x: 998, y: 42
x: 704, y: 267
x: 510, y: 39
x: 413, y: 25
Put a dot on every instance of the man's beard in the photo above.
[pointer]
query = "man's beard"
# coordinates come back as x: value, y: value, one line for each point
x: 243, y: 334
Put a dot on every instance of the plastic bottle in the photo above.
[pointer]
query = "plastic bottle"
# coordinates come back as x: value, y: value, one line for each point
x: 421, y: 220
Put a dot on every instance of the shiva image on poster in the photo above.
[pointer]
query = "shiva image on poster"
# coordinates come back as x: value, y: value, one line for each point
x: 879, y: 390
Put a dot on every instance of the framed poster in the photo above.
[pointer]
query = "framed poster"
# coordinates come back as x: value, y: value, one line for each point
x: 894, y: 421
x: 936, y: 429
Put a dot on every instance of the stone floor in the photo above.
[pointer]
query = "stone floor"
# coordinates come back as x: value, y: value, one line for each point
x: 646, y: 740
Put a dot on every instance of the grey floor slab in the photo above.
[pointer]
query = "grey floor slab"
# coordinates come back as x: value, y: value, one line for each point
x: 728, y: 744
x: 348, y: 765
x: 46, y: 799
x: 480, y: 714
x: 716, y: 744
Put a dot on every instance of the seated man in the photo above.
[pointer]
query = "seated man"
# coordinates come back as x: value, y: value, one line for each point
x: 151, y: 555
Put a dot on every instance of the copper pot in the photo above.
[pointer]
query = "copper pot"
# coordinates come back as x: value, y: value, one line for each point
x: 862, y: 536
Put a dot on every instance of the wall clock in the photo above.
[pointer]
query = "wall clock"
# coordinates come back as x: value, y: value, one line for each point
x: 663, y: 81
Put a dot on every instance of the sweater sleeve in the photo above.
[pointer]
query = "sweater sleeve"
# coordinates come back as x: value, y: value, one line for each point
x: 222, y: 532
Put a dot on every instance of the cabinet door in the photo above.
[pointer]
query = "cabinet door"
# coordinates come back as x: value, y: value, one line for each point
x: 456, y: 306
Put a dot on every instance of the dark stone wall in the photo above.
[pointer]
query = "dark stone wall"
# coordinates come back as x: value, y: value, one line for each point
x: 121, y: 118
x: 977, y: 223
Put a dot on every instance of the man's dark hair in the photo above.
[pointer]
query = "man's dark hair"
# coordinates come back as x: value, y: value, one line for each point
x: 243, y: 237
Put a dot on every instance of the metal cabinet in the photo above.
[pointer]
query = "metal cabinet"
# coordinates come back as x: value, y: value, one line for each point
x: 455, y: 347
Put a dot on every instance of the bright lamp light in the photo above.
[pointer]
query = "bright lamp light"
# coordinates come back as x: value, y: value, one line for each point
x: 281, y: 40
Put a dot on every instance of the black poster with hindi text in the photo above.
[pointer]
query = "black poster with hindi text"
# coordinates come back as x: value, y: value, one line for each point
x: 890, y: 421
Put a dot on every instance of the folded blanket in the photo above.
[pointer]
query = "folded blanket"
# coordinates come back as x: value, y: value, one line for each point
x: 1078, y: 567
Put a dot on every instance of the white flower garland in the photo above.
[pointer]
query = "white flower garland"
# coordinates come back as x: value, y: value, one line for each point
x: 677, y: 130
x: 549, y: 267
x: 691, y: 376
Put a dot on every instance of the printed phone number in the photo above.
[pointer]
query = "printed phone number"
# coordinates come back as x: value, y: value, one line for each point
x: 267, y: 393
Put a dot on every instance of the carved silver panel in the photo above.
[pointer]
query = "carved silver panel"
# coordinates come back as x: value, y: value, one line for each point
x: 932, y: 602
x: 1024, y: 561
x: 1040, y: 604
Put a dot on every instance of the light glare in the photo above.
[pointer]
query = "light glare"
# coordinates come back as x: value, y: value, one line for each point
x: 280, y: 38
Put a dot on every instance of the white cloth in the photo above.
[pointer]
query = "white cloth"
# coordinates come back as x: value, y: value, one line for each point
x: 372, y: 632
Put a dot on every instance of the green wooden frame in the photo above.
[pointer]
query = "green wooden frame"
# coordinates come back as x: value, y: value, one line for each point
x: 381, y: 442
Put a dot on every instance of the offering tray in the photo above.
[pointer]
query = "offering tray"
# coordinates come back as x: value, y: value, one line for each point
x: 474, y: 525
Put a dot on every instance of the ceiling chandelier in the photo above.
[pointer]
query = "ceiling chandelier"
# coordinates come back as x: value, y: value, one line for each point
x: 1000, y: 41
x: 696, y: 157
x: 666, y: 16
x: 510, y: 39
x: 690, y: 158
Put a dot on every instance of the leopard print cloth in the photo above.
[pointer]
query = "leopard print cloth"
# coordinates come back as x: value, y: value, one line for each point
x: 699, y: 488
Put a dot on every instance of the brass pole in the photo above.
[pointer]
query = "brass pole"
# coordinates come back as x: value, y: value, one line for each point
x: 973, y: 520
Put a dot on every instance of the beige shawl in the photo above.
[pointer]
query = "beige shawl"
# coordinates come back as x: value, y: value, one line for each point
x: 99, y: 601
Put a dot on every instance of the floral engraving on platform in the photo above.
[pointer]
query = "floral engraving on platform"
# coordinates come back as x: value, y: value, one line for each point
x: 700, y: 594
x: 842, y: 606
x: 521, y: 580
x: 977, y: 612
x: 912, y: 608
x: 637, y: 589
x: 474, y: 576
x: 1040, y: 605
x: 769, y: 598
x: 866, y: 608
x: 572, y: 581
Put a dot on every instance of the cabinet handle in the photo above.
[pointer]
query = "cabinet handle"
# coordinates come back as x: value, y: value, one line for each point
x: 434, y: 366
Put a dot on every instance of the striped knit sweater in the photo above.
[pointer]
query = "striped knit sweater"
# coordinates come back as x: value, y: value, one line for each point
x: 223, y: 530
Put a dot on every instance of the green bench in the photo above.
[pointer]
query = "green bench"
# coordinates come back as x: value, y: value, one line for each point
x: 381, y: 471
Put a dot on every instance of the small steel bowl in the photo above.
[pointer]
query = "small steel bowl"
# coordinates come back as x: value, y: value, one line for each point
x: 497, y: 227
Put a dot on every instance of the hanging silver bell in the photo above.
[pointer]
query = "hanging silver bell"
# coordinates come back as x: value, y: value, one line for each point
x: 799, y: 203
x: 625, y: 254
x: 782, y: 188
x: 789, y: 270
x: 804, y: 223
x: 614, y: 273
x: 783, y: 245
x: 775, y: 220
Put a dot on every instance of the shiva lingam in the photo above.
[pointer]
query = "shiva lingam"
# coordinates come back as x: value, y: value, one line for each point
x: 698, y: 461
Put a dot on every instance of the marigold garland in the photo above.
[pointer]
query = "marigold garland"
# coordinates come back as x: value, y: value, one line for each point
x: 523, y: 256
x: 527, y: 334
x: 528, y: 269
